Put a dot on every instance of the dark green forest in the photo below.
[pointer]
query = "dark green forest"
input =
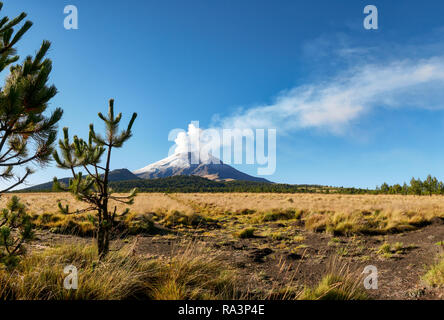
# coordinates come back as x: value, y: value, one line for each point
x: 190, y: 184
x: 431, y: 185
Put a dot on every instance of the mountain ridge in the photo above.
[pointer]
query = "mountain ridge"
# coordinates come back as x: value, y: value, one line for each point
x: 114, y: 176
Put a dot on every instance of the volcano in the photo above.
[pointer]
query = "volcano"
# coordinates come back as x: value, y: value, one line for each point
x: 181, y: 164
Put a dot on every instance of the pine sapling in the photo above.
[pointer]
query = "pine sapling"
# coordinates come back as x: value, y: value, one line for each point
x: 15, y: 229
x: 93, y: 187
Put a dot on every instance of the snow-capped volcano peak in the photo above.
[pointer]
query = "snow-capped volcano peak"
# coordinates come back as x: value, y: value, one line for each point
x: 179, y: 161
x: 189, y: 163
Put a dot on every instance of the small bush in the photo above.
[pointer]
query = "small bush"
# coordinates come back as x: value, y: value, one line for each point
x: 138, y: 224
x: 298, y: 238
x: 246, y: 233
x: 75, y: 224
x: 277, y: 236
x: 398, y: 247
x: 338, y: 283
x: 435, y: 275
x: 246, y: 211
x: 316, y: 222
x: 342, y: 251
x: 176, y: 218
x: 334, y: 287
x: 276, y: 215
x: 387, y: 250
x: 84, y: 224
x: 15, y: 229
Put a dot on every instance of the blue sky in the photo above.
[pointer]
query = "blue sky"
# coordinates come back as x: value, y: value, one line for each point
x: 374, y: 111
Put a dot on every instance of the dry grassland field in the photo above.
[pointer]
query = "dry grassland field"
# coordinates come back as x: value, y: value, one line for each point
x: 246, y: 246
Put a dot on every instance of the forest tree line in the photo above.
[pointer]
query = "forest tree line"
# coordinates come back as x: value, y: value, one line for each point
x: 190, y: 184
x: 429, y: 186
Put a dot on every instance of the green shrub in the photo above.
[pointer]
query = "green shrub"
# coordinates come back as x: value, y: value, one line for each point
x: 384, y: 248
x: 84, y: 224
x: 387, y: 250
x: 139, y: 224
x: 75, y: 224
x: 175, y: 218
x: 276, y: 215
x: 334, y: 287
x: 15, y: 229
x: 435, y: 275
x: 246, y: 233
x: 246, y: 211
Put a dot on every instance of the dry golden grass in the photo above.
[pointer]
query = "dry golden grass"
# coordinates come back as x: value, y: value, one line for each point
x: 235, y: 202
x: 39, y: 203
x: 196, y: 272
x: 193, y: 274
x: 338, y: 214
x: 220, y: 203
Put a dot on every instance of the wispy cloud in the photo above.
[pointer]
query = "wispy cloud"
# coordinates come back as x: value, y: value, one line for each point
x: 350, y: 81
x: 334, y: 103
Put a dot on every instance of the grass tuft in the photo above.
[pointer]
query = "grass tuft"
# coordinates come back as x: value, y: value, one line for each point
x: 121, y: 276
x: 334, y: 287
x: 176, y: 218
x: 435, y: 275
x: 247, y: 233
x: 339, y: 283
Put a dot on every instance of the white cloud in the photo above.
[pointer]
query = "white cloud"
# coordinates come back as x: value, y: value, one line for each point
x: 334, y: 104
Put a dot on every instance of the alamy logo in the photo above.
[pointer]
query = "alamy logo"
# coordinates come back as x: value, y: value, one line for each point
x: 72, y: 19
x: 371, y: 281
x: 371, y: 20
x: 71, y: 281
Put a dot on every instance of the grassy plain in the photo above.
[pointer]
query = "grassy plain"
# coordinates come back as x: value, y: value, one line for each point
x: 238, y: 245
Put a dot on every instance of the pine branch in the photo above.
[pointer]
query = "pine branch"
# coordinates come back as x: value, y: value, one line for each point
x: 20, y: 181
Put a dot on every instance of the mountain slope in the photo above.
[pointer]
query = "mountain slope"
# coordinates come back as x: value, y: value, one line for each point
x: 181, y: 164
x: 191, y: 184
x: 114, y: 175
